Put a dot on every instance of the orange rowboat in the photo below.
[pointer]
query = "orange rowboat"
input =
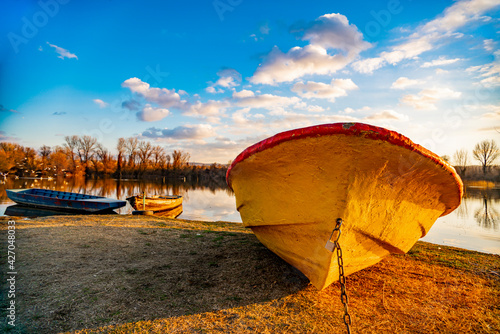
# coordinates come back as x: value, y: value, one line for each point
x: 155, y: 203
x: 389, y: 191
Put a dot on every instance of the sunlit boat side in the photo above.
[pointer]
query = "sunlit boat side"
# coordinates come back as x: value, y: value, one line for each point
x: 389, y: 191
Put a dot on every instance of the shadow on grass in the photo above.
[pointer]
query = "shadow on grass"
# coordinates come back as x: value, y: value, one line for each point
x: 78, y: 277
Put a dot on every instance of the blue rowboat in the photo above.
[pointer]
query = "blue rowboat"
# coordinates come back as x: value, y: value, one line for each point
x: 62, y: 200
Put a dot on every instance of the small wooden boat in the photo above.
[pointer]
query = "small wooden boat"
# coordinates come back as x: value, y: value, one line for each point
x: 291, y: 188
x: 155, y: 203
x: 62, y: 200
x: 170, y: 213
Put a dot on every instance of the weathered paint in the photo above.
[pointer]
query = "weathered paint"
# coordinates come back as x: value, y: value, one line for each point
x: 290, y: 189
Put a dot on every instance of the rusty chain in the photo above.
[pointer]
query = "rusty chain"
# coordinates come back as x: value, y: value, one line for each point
x: 332, y: 245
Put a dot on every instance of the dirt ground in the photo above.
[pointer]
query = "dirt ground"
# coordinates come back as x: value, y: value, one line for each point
x: 142, y: 274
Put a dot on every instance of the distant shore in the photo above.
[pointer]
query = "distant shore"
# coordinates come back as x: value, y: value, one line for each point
x: 143, y: 274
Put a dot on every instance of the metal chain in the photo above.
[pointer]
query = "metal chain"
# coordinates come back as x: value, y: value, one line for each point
x: 343, y: 293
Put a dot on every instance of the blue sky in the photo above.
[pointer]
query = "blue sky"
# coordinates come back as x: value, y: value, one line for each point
x: 213, y: 77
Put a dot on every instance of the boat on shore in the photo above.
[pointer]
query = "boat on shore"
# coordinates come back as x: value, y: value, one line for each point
x: 63, y: 201
x: 170, y: 213
x: 291, y: 188
x: 157, y: 204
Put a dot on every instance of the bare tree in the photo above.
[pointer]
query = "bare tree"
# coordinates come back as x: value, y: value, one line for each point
x: 164, y: 161
x: 486, y: 152
x: 59, y: 159
x: 86, y: 145
x: 145, y: 152
x: 101, y: 154
x: 44, y: 153
x: 131, y: 149
x: 71, y: 145
x: 158, y: 153
x: 121, y: 148
x: 461, y: 158
x: 30, y: 159
x: 180, y: 158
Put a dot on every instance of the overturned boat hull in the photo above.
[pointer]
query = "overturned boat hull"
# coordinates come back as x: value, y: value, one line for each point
x: 291, y: 188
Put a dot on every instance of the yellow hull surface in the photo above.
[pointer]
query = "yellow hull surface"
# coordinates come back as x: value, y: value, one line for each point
x: 291, y: 188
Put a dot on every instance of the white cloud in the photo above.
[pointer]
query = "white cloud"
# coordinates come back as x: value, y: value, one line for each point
x: 488, y: 73
x: 213, y: 90
x: 333, y: 31
x: 100, y: 103
x: 283, y: 67
x: 369, y: 65
x: 387, y: 115
x: 427, y: 98
x: 489, y: 45
x: 245, y: 99
x: 240, y: 117
x: 315, y: 109
x: 458, y: 15
x: 243, y: 93
x: 228, y: 78
x: 319, y: 90
x: 152, y: 114
x: 186, y: 132
x: 161, y: 96
x: 427, y: 36
x: 441, y: 61
x: 404, y: 82
x: 63, y: 53
x: 328, y: 32
x: 211, y: 110
x: 491, y: 111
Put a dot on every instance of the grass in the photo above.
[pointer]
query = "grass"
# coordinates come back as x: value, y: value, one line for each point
x: 143, y: 274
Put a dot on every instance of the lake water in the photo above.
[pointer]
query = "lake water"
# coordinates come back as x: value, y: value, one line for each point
x: 475, y: 225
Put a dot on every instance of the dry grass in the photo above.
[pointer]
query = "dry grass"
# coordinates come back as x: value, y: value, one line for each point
x: 127, y: 274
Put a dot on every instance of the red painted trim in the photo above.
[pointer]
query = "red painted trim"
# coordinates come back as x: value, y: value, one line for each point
x: 349, y: 129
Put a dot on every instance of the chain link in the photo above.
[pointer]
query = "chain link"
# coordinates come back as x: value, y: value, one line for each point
x: 343, y: 292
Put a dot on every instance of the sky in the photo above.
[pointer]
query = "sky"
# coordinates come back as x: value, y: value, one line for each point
x: 213, y: 77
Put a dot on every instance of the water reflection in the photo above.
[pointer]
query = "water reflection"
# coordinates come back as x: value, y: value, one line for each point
x: 474, y: 225
x: 486, y: 213
x: 25, y: 211
x: 207, y: 201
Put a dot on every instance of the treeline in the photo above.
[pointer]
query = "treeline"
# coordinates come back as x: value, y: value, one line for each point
x: 85, y: 156
x: 485, y: 152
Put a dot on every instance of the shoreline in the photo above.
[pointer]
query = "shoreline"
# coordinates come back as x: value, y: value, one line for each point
x: 145, y: 274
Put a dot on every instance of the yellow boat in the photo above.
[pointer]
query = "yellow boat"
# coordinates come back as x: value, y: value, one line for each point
x: 291, y: 188
x: 155, y: 203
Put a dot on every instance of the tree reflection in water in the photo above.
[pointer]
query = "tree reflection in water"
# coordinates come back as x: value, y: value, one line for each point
x: 119, y: 189
x: 487, y: 216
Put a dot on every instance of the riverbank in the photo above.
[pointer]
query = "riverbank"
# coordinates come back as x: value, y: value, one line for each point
x: 129, y: 274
